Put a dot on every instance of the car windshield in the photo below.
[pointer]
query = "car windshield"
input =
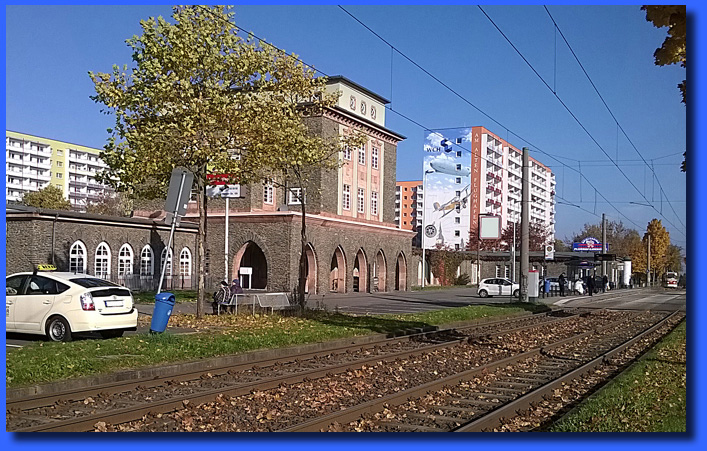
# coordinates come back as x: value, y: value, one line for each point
x: 87, y: 282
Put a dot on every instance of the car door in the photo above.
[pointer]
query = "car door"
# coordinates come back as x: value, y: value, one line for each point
x: 505, y: 287
x: 497, y: 287
x: 13, y: 288
x: 34, y: 304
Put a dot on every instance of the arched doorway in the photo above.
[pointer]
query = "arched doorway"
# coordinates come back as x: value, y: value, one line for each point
x: 337, y: 273
x: 401, y: 271
x: 380, y: 272
x: 311, y: 272
x: 251, y: 256
x: 360, y: 272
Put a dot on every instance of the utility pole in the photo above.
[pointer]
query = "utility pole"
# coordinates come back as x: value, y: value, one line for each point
x: 513, y: 254
x: 603, y: 244
x: 424, y: 216
x: 648, y: 267
x: 525, y: 226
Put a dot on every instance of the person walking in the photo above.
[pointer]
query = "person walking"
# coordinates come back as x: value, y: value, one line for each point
x: 604, y: 283
x: 590, y: 285
x: 561, y: 280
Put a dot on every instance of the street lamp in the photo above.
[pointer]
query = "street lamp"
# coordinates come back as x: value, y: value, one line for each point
x: 422, y: 232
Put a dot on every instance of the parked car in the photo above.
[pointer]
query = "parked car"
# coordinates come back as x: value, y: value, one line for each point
x: 60, y: 304
x: 497, y: 287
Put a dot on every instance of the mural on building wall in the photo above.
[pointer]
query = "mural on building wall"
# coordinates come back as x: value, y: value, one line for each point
x: 447, y: 180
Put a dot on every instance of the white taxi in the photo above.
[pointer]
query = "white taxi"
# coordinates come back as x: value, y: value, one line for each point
x: 59, y: 304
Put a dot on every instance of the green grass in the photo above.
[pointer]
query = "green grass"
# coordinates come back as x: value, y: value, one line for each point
x: 650, y: 397
x: 42, y: 362
x: 148, y: 297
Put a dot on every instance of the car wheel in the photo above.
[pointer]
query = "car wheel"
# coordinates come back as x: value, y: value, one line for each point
x: 111, y: 333
x: 58, y: 329
x: 516, y: 293
x: 483, y: 294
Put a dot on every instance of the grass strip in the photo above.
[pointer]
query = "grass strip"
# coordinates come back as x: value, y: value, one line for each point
x: 649, y: 397
x: 148, y: 297
x: 42, y: 362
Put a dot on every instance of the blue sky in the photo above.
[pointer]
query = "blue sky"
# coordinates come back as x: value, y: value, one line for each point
x: 50, y: 49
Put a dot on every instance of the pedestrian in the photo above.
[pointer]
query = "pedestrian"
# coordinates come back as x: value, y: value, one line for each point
x: 222, y: 295
x: 235, y: 289
x: 590, y: 285
x: 561, y: 280
x: 579, y: 286
x: 604, y: 283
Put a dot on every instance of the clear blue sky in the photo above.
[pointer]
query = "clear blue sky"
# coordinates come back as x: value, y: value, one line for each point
x: 50, y: 49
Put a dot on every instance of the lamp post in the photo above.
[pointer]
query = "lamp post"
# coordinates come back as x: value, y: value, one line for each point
x: 424, y: 215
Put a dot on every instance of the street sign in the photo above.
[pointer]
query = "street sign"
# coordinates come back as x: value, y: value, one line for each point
x: 489, y: 227
x: 178, y: 195
x: 231, y: 192
x: 604, y: 257
x: 549, y: 252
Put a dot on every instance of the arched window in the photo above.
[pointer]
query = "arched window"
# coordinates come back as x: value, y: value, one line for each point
x: 168, y: 270
x: 185, y: 262
x: 101, y: 266
x: 125, y: 260
x: 77, y: 258
x: 146, y: 263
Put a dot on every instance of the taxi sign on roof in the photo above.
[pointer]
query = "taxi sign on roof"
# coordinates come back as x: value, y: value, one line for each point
x: 46, y: 267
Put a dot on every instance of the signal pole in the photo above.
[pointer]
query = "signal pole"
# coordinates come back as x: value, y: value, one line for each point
x: 603, y: 244
x: 525, y: 226
x: 648, y: 266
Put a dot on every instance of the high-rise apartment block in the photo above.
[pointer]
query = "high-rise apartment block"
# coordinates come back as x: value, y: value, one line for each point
x: 408, y: 207
x: 33, y: 163
x: 470, y: 172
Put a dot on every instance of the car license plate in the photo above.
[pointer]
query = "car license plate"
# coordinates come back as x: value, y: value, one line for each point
x: 118, y: 303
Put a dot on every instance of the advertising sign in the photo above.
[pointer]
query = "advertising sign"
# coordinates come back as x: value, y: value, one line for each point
x: 446, y: 191
x: 489, y: 227
x: 587, y: 244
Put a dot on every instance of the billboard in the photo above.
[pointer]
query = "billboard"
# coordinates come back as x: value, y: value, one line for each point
x: 587, y: 244
x: 447, y: 188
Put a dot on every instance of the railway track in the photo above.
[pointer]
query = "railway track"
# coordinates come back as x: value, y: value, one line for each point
x: 291, y: 394
x: 79, y: 409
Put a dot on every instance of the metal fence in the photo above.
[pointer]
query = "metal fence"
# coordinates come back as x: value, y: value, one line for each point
x: 138, y: 283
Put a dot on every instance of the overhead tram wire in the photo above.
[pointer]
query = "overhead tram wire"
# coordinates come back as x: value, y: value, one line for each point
x: 575, y: 117
x: 237, y: 28
x: 475, y: 107
x: 618, y: 124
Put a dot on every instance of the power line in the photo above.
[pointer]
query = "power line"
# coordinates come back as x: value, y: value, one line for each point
x: 557, y: 28
x: 573, y: 115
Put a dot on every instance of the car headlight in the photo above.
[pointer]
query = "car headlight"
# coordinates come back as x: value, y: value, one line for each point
x: 87, y: 301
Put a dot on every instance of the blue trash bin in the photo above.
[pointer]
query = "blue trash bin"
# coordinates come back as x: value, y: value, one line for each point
x: 547, y: 286
x: 163, y: 309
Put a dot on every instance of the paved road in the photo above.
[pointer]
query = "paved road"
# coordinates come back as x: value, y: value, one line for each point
x: 422, y: 301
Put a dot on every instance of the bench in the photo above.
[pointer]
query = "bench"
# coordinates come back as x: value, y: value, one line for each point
x: 232, y: 302
x: 273, y: 301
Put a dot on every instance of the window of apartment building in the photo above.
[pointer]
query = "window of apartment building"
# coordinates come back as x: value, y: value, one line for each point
x: 457, y: 220
x: 459, y: 167
x: 268, y: 193
x: 405, y: 189
x: 405, y: 223
x: 459, y: 140
x: 374, y: 203
x: 457, y: 233
x: 60, y: 164
x: 347, y: 153
x: 294, y: 195
x: 457, y: 208
x: 458, y: 180
x: 374, y: 158
x: 508, y: 272
x: 59, y: 175
x: 458, y: 193
x: 459, y: 153
x: 361, y: 200
x: 346, y: 198
x: 498, y: 270
x: 362, y: 155
x: 457, y: 247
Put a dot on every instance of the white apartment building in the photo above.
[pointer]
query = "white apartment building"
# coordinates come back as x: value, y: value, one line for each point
x: 33, y: 163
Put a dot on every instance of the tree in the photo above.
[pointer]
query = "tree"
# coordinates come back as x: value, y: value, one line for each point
x: 674, y: 48
x: 50, y: 197
x: 116, y: 204
x: 444, y: 262
x: 621, y: 239
x: 201, y: 97
x: 660, y: 241
x: 673, y: 258
x: 561, y: 246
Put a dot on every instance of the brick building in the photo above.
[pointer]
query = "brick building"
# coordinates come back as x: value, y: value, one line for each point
x: 353, y: 243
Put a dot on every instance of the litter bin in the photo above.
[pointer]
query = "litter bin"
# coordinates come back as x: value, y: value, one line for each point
x: 163, y: 309
x: 547, y: 287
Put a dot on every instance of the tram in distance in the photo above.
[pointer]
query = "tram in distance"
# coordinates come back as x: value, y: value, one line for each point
x: 670, y: 280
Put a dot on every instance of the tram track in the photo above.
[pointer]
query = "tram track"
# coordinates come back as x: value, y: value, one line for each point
x: 81, y: 408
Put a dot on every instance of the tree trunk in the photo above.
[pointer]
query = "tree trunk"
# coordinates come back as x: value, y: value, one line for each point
x: 302, y: 281
x: 201, y: 203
